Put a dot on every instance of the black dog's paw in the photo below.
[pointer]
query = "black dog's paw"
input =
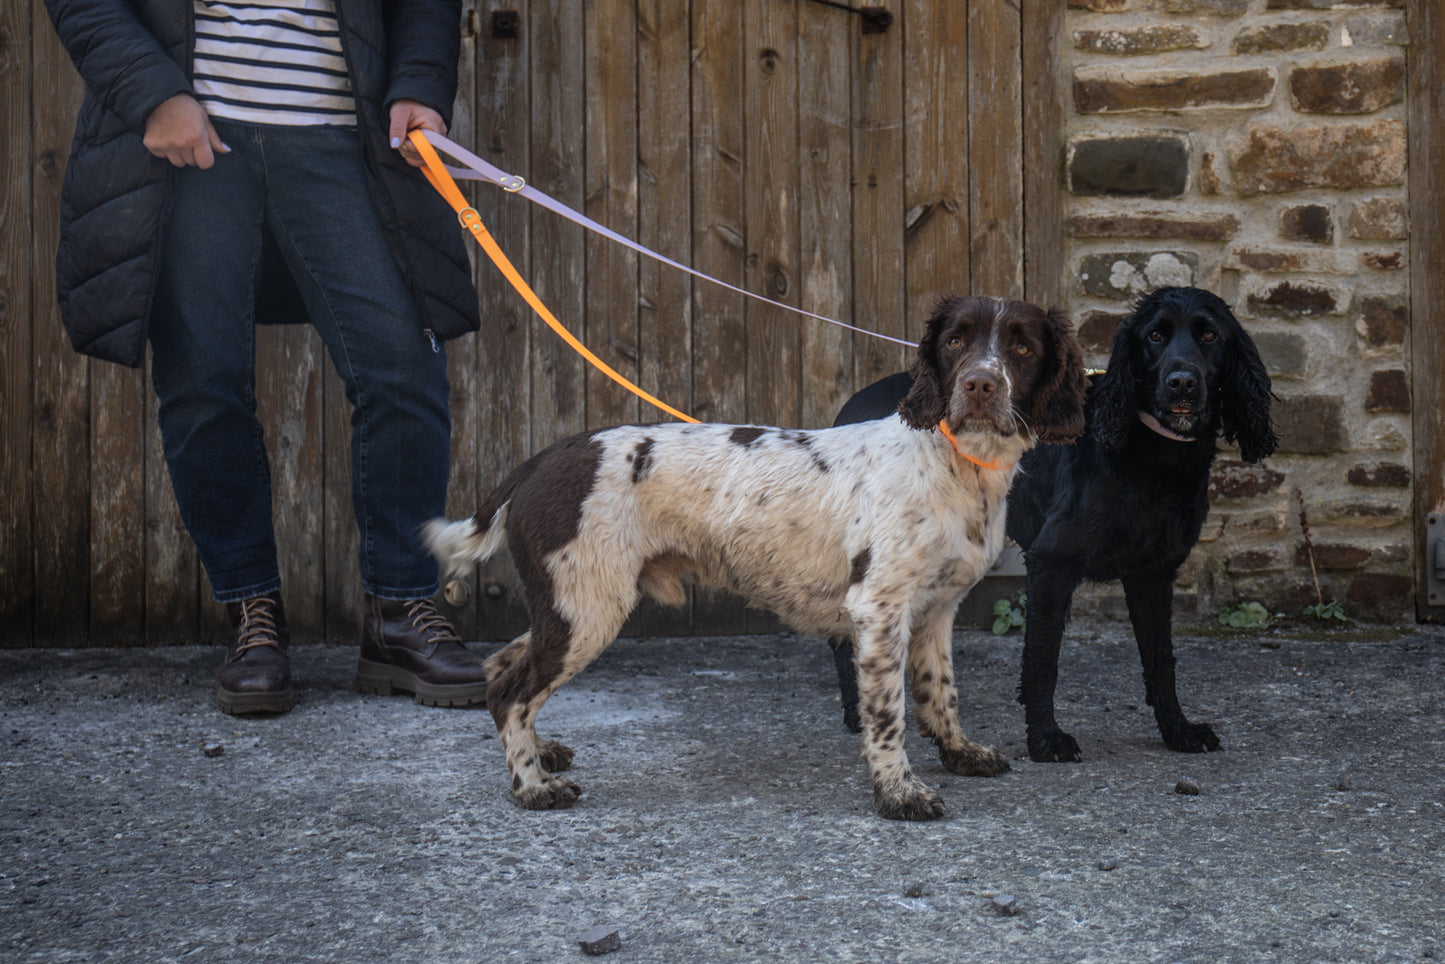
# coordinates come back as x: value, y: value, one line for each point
x: 851, y: 718
x: 1181, y: 736
x: 1053, y: 746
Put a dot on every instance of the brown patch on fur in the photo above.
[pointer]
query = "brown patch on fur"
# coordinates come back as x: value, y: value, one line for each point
x: 976, y: 531
x: 641, y: 459
x: 746, y: 435
x: 858, y: 571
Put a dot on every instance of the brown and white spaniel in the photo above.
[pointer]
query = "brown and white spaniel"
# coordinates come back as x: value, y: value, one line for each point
x: 875, y: 530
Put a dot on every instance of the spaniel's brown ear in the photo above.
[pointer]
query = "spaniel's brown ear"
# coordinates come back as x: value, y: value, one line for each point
x: 1057, y: 411
x: 923, y: 406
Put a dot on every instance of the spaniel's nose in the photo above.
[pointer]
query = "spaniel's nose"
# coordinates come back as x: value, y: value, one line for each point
x: 980, y: 384
x: 1182, y: 383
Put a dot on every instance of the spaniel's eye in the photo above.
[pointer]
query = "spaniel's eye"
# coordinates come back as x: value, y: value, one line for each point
x: 1208, y: 337
x: 955, y: 343
x: 1156, y: 336
x: 1023, y: 349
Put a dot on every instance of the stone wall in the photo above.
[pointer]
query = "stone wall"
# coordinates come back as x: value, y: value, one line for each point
x: 1257, y: 148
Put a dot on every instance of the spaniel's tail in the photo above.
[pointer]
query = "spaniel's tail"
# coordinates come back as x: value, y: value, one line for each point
x: 459, y: 546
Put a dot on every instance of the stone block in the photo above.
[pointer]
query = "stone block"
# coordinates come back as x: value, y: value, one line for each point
x: 1140, y: 41
x: 1371, y: 514
x: 1380, y: 219
x: 1309, y: 424
x: 1128, y: 274
x: 1389, y: 392
x: 1100, y: 90
x: 1296, y: 299
x: 1276, y: 160
x: 1379, y: 475
x: 1209, y: 181
x: 1283, y: 355
x: 1254, y: 560
x: 1314, y: 35
x: 1097, y: 329
x: 1384, y: 435
x: 1156, y: 225
x: 1382, y: 29
x: 1100, y: 6
x: 1356, y: 87
x: 1329, y: 4
x: 1383, y: 321
x: 1232, y: 479
x: 1198, y: 8
x: 1269, y: 260
x: 1307, y: 222
x: 1332, y: 556
x: 1143, y: 166
x: 1383, y: 260
x: 1380, y: 595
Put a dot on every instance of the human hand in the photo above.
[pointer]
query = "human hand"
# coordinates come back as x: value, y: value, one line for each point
x: 180, y: 131
x: 410, y: 115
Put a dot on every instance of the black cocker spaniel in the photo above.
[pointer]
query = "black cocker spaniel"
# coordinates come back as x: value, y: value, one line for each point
x: 1125, y: 502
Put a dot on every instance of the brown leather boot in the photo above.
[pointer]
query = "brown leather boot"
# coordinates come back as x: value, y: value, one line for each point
x: 407, y: 645
x: 256, y: 676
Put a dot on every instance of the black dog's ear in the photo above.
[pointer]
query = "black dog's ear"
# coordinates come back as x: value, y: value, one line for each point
x: 1245, y: 404
x: 923, y: 406
x: 1057, y: 412
x: 1113, y: 407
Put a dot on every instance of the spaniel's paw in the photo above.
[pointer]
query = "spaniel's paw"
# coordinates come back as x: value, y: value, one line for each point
x: 1053, y: 746
x: 907, y: 800
x: 554, y: 793
x: 1184, y: 737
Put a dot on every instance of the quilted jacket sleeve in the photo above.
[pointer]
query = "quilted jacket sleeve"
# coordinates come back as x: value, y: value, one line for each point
x: 424, y: 38
x: 121, y: 61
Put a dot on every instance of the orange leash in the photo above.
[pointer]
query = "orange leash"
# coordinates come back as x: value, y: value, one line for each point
x: 437, y: 174
x: 995, y: 466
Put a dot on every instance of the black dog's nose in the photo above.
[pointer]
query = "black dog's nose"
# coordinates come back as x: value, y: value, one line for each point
x: 979, y: 383
x: 1182, y: 383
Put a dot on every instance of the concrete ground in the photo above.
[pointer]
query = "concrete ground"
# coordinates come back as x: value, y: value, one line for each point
x: 726, y: 815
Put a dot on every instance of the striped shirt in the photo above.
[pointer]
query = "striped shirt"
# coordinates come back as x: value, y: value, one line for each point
x: 272, y: 62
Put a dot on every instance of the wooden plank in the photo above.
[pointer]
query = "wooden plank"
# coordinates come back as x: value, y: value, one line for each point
x: 718, y: 145
x: 664, y: 224
x: 878, y: 158
x: 502, y: 109
x: 770, y: 105
x: 1427, y: 278
x: 824, y: 229
x: 558, y: 256
x: 995, y: 136
x: 340, y: 589
x: 610, y: 87
x: 61, y: 399
x: 117, y: 505
x: 18, y: 264
x: 935, y: 187
x: 1045, y: 271
x: 290, y: 367
x: 719, y: 336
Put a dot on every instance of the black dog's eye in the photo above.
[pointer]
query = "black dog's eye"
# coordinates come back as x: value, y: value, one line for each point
x: 1208, y: 337
x: 1156, y: 336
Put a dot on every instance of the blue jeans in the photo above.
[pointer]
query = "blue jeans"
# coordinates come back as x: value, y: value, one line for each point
x: 307, y: 186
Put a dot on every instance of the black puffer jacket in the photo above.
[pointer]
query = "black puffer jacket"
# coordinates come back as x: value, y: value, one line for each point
x: 133, y: 54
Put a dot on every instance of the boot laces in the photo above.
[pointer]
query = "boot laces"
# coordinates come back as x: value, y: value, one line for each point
x: 430, y: 623
x: 258, y: 625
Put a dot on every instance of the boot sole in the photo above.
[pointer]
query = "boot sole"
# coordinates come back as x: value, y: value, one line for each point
x: 248, y: 704
x: 381, y: 679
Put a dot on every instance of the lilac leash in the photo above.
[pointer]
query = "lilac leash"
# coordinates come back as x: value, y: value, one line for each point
x: 476, y: 169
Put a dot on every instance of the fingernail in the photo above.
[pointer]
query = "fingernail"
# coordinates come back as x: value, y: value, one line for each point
x: 226, y: 148
x: 396, y: 142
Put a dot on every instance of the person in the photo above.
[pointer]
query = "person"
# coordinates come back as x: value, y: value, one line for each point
x: 245, y: 161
